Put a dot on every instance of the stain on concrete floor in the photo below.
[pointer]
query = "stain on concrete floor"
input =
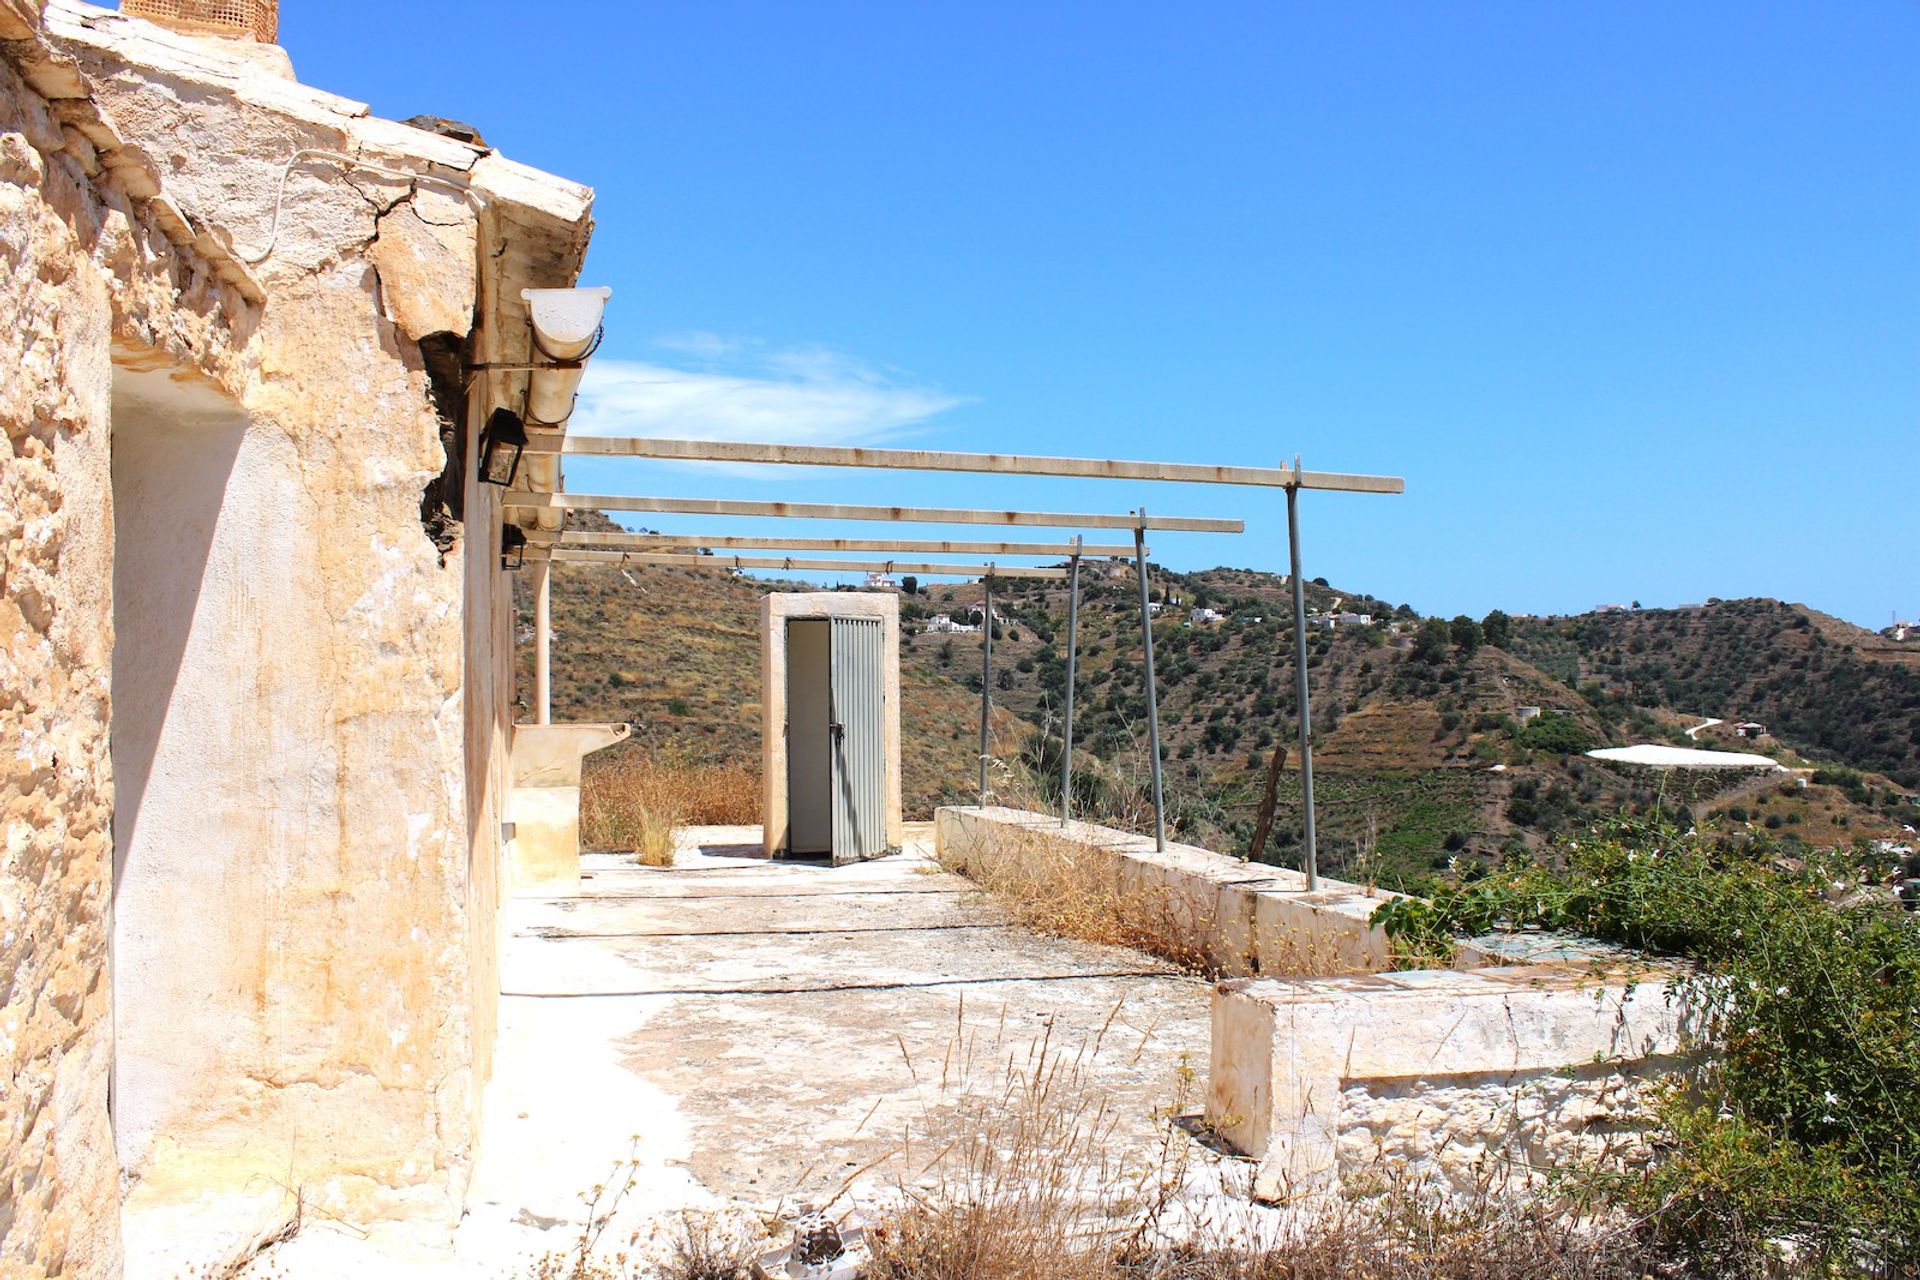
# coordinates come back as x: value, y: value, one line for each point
x: 800, y: 1015
x: 741, y: 1036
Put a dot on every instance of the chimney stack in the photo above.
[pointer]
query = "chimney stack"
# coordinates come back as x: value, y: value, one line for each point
x: 257, y: 20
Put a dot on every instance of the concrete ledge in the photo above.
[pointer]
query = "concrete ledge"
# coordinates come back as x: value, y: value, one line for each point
x: 545, y: 854
x: 1436, y: 1073
x: 1532, y: 1053
x: 1235, y: 917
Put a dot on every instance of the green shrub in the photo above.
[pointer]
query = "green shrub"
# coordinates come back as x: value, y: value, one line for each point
x: 1803, y: 1125
x: 1559, y: 734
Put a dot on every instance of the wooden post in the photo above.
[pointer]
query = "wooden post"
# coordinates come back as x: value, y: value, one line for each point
x: 1263, y: 824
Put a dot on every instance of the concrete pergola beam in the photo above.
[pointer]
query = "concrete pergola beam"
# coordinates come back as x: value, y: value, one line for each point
x: 839, y: 511
x: 807, y: 455
x: 679, y: 541
x: 565, y: 555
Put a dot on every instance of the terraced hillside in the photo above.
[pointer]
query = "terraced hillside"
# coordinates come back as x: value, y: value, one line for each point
x: 1422, y: 758
x: 1833, y: 690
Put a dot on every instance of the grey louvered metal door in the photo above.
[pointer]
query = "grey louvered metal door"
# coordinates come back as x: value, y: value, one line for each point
x: 857, y: 699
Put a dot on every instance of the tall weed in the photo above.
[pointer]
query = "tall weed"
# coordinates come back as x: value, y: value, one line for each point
x: 633, y: 801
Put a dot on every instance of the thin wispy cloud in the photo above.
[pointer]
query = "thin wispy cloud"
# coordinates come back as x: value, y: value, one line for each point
x: 719, y: 388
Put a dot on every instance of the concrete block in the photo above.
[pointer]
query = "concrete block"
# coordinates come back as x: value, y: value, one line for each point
x: 1431, y: 1071
x: 545, y: 854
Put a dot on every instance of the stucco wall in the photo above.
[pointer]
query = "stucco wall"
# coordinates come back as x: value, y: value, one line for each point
x: 85, y: 263
x: 298, y: 1006
x: 309, y: 703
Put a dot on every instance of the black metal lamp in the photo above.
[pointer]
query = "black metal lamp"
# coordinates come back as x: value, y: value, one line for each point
x: 513, y: 546
x: 500, y: 446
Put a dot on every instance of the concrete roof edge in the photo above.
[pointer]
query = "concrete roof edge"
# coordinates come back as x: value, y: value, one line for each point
x: 199, y: 59
x: 554, y: 210
x: 49, y: 71
x: 498, y: 178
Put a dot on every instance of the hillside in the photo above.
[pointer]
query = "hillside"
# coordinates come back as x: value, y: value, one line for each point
x: 1422, y: 756
x: 1836, y: 691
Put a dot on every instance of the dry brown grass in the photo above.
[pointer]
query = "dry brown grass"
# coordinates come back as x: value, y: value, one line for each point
x: 635, y: 801
x: 704, y: 1249
x: 1080, y: 890
x: 1082, y: 898
x: 1409, y: 1237
x: 1029, y: 1183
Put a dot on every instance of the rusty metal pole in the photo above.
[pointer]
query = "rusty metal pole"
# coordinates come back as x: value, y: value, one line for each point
x: 1153, y: 698
x: 986, y: 681
x: 1310, y: 849
x: 1073, y: 648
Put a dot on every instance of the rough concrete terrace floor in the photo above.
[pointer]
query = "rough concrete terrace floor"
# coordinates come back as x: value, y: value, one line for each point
x: 767, y: 1033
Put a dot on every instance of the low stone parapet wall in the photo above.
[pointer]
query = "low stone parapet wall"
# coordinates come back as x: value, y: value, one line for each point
x: 1464, y: 1078
x: 1232, y: 917
x: 1533, y: 1052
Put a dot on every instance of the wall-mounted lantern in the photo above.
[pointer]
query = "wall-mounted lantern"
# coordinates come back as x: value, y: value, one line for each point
x: 513, y: 546
x: 500, y: 445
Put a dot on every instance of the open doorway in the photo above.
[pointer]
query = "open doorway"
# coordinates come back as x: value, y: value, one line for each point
x: 809, y: 739
x: 836, y: 738
x: 830, y: 724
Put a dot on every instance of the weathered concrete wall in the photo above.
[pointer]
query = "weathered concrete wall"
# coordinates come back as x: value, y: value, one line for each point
x: 1231, y: 916
x: 1456, y: 1077
x: 308, y: 701
x: 321, y: 873
x: 86, y: 262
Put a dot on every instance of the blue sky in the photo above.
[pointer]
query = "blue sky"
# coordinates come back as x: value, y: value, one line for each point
x: 1630, y: 294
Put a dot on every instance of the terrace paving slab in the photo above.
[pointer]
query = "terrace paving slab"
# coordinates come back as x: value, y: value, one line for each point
x: 761, y: 1034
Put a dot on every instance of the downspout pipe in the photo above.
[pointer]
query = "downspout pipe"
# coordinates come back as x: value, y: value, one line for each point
x: 565, y: 329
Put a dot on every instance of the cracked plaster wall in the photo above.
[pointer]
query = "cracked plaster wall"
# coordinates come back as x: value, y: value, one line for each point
x: 85, y: 266
x: 314, y: 916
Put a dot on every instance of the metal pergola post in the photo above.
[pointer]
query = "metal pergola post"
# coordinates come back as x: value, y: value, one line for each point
x: 1153, y: 697
x: 986, y: 680
x: 1073, y: 647
x: 1310, y: 850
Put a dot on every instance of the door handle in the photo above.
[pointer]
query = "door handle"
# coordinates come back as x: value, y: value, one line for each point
x: 836, y: 728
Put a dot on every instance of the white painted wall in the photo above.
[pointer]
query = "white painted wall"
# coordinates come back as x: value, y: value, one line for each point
x: 202, y: 565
